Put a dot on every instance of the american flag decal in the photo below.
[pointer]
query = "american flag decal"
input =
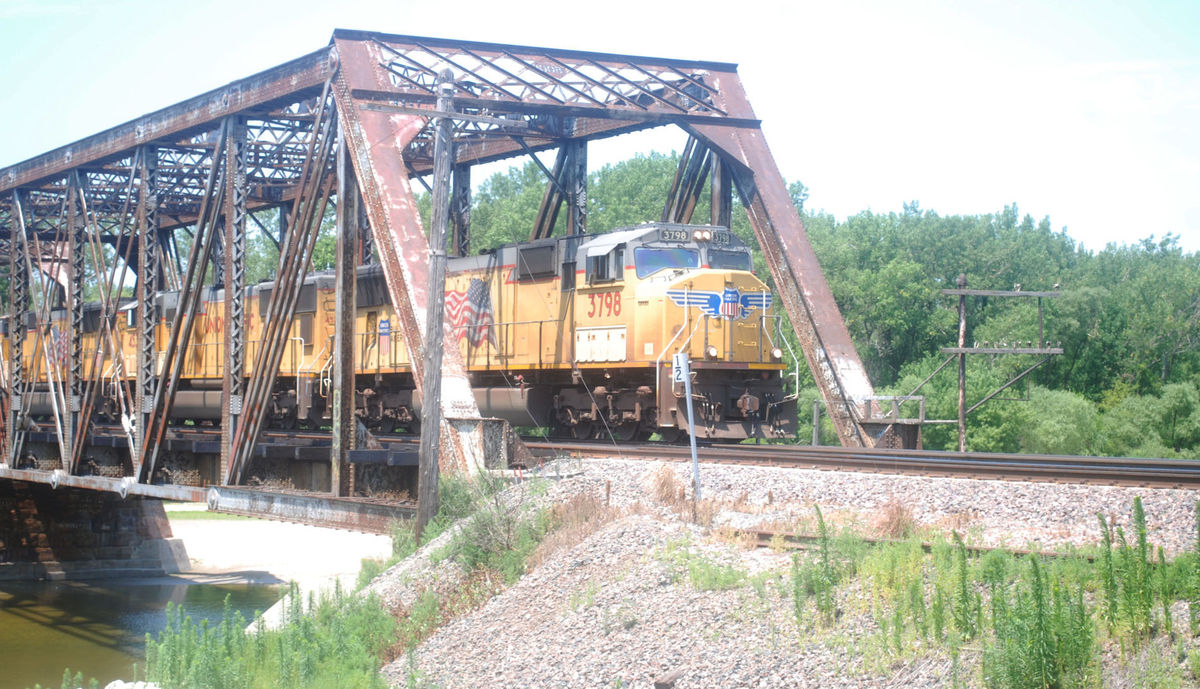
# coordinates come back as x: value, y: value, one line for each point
x: 470, y: 313
x: 60, y: 346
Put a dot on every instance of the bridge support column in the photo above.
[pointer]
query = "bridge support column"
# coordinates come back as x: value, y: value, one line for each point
x: 71, y: 533
x: 233, y: 383
x: 18, y: 304
x: 76, y: 227
x: 148, y: 284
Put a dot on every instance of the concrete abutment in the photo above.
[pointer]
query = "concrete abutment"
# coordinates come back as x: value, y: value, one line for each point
x: 70, y: 533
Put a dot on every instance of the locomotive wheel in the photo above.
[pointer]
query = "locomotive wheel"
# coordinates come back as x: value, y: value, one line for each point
x: 581, y: 429
x: 648, y: 425
x: 584, y: 430
x: 623, y: 432
x: 672, y: 435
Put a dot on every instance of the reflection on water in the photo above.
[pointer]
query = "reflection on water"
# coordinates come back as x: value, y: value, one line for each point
x: 99, y: 628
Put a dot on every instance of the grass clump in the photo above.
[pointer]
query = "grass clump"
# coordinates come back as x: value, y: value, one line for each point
x: 75, y: 681
x: 497, y: 534
x: 337, y: 640
x: 702, y: 573
x: 1043, y: 635
x: 895, y: 520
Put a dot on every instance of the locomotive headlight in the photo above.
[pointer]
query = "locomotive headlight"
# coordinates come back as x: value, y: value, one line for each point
x: 702, y: 235
x: 710, y: 351
x: 776, y: 354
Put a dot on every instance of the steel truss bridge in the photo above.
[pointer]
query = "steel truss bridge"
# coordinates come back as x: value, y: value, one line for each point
x: 164, y: 202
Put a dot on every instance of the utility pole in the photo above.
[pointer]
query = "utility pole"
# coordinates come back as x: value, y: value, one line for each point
x: 431, y: 398
x: 341, y: 474
x: 992, y: 349
x: 962, y: 364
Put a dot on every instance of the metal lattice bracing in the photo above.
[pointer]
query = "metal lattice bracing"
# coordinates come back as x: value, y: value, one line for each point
x: 152, y: 203
x: 514, y: 99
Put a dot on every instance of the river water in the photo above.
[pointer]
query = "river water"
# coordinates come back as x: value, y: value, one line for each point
x: 99, y: 627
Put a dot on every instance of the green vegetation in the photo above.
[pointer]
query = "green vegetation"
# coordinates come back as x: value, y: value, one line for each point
x: 682, y: 560
x: 75, y: 681
x: 336, y: 640
x: 1035, y: 622
x: 341, y: 640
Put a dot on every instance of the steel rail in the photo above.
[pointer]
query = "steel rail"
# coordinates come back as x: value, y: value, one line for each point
x: 1113, y: 471
x: 1116, y: 471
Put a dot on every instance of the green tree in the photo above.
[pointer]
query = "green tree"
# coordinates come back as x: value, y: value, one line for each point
x: 1059, y: 422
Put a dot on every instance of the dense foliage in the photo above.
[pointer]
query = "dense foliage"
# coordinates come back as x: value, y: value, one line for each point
x: 1128, y: 319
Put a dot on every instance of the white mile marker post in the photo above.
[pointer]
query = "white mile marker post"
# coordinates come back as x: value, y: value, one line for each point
x: 681, y: 372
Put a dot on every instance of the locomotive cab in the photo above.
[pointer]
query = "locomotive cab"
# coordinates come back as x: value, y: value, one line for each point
x: 658, y: 289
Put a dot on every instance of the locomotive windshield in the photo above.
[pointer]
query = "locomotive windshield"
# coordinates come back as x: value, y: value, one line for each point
x: 729, y: 260
x: 650, y: 260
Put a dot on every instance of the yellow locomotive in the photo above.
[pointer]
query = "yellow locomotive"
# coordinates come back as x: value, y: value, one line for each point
x: 571, y: 333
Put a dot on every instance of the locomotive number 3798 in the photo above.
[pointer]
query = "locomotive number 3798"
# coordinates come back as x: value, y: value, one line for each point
x: 604, y: 304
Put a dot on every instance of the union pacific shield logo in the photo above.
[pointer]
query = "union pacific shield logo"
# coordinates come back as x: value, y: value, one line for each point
x: 731, y: 303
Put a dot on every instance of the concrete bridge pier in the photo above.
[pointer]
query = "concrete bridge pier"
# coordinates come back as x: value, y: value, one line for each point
x: 72, y: 533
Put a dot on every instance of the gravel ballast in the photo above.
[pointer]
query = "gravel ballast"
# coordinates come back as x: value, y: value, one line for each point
x: 613, y: 610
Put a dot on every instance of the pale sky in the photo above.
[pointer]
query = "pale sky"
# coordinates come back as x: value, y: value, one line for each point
x: 1086, y: 112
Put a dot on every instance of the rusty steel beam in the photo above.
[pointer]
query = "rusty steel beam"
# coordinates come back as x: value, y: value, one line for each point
x: 576, y: 179
x: 721, y: 194
x: 304, y: 73
x: 18, y: 305
x: 805, y: 293
x: 76, y: 225
x: 317, y: 183
x: 125, y: 487
x: 688, y: 183
x: 199, y: 261
x: 378, y: 141
x: 460, y: 211
x: 552, y: 198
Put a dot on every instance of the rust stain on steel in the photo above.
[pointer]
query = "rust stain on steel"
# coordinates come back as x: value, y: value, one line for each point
x: 124, y: 487
x: 377, y: 141
x: 804, y: 291
x: 314, y: 510
x: 310, y: 71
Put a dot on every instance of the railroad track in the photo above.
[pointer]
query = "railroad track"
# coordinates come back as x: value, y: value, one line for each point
x: 1110, y: 471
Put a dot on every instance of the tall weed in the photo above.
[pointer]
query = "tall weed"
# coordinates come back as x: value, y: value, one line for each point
x: 337, y: 640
